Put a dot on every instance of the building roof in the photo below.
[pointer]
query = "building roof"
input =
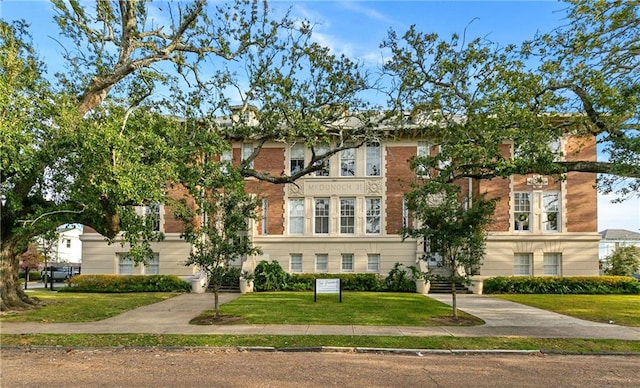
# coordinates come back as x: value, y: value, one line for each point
x: 619, y: 234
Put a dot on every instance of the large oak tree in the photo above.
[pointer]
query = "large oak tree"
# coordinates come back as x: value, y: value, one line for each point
x: 116, y: 128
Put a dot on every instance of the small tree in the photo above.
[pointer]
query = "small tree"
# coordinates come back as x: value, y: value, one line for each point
x: 217, y: 228
x: 29, y: 260
x: 455, y: 231
x: 624, y: 261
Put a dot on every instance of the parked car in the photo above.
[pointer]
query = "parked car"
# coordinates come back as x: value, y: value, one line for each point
x: 58, y: 274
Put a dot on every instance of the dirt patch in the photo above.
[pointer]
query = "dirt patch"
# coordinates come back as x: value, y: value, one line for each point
x: 461, y: 321
x: 222, y: 320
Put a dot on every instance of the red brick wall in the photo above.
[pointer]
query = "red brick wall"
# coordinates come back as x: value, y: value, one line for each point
x: 271, y: 160
x: 399, y: 178
x: 582, y: 202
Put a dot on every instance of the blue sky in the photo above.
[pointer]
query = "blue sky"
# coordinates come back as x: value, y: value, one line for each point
x: 356, y: 28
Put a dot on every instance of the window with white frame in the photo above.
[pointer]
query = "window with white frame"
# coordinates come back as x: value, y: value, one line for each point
x: 374, y: 159
x: 405, y: 213
x: 226, y: 160
x: 322, y: 262
x: 373, y: 216
x: 321, y: 216
x: 347, y: 262
x: 152, y: 215
x: 296, y: 216
x: 68, y: 243
x: 296, y: 158
x: 347, y: 215
x: 348, y: 162
x: 551, y: 264
x: 247, y: 151
x: 423, y: 150
x: 326, y: 166
x: 551, y: 211
x: 125, y: 264
x: 522, y: 264
x: 522, y: 211
x: 265, y: 216
x: 373, y: 263
x: 555, y: 146
x: 295, y: 264
x: 152, y: 267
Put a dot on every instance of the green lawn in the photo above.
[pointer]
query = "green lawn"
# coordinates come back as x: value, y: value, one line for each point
x: 621, y: 309
x: 357, y: 308
x: 284, y: 341
x: 81, y: 307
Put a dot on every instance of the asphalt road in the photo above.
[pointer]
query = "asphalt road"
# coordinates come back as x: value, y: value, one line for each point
x: 233, y: 368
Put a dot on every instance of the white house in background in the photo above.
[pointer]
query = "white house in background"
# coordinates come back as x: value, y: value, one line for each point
x: 614, y: 238
x: 68, y: 247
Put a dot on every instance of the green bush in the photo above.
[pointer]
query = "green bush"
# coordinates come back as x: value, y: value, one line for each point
x: 33, y: 276
x: 400, y: 280
x: 562, y: 285
x: 126, y: 283
x: 350, y: 282
x: 269, y: 276
x: 231, y: 277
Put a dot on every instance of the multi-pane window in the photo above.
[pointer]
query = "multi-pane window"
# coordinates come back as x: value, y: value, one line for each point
x: 373, y: 215
x: 296, y: 215
x: 226, y: 159
x: 296, y: 158
x: 247, y: 151
x: 347, y: 262
x: 296, y: 262
x: 347, y: 215
x: 322, y: 262
x: 423, y: 150
x: 125, y: 264
x: 265, y: 216
x: 68, y: 242
x: 348, y: 162
x: 321, y: 216
x: 551, y: 211
x: 373, y: 263
x: 551, y: 264
x: 522, y: 264
x: 374, y: 159
x: 522, y: 213
x: 152, y: 267
x: 405, y: 213
x: 152, y: 214
x: 322, y: 150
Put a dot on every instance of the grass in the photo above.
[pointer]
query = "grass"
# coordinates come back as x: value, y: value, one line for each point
x: 357, y: 308
x: 282, y: 341
x: 83, y: 307
x: 621, y: 309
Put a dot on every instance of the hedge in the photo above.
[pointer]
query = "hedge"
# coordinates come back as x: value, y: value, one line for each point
x: 562, y: 285
x: 126, y: 283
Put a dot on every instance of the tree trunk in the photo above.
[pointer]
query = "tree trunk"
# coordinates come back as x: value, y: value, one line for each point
x: 216, y: 305
x: 13, y: 296
x: 454, y: 302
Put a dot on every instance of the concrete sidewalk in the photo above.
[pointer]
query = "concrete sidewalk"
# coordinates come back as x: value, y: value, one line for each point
x: 503, y: 319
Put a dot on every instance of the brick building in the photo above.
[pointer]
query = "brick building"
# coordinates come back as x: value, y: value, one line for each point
x: 349, y: 216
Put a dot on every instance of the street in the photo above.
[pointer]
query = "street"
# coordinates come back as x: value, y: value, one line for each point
x: 233, y: 368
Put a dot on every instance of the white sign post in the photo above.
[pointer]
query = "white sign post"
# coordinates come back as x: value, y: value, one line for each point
x: 327, y: 286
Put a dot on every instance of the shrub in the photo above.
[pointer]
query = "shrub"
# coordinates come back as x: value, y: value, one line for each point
x: 231, y: 277
x: 562, y: 285
x: 33, y: 275
x: 269, y: 276
x: 400, y: 280
x: 350, y: 282
x: 126, y: 283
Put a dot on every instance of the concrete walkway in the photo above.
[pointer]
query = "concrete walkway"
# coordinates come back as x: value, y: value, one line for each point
x: 503, y: 319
